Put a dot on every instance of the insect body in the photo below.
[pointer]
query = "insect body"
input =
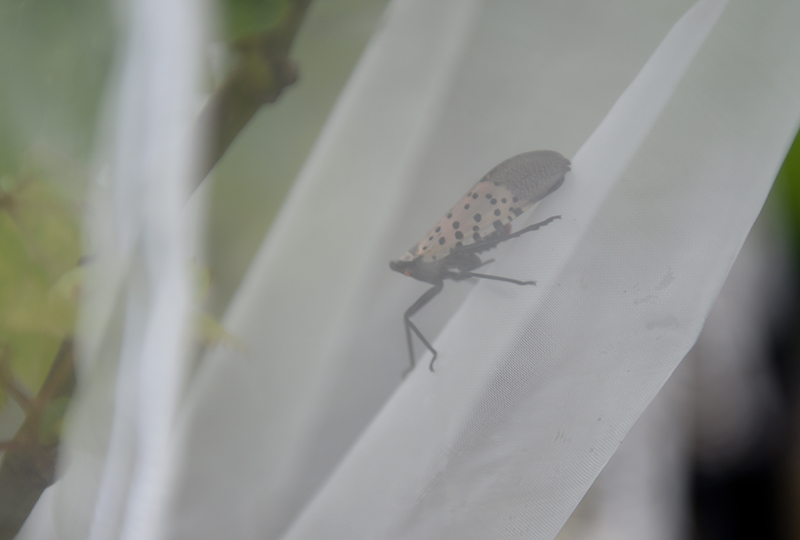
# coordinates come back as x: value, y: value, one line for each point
x: 479, y: 222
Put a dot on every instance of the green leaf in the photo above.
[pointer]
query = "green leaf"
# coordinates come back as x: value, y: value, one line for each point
x: 39, y: 280
x: 787, y: 190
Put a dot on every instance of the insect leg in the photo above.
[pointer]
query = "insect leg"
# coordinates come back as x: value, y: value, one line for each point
x: 497, y: 278
x: 411, y: 327
x: 531, y: 228
x: 483, y: 245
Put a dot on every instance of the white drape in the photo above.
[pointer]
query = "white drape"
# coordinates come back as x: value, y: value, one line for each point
x: 676, y: 117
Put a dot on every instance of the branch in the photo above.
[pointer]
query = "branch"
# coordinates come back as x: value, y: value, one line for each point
x: 261, y: 72
x: 29, y: 463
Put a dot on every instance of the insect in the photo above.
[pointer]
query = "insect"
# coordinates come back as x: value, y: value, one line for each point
x: 481, y: 220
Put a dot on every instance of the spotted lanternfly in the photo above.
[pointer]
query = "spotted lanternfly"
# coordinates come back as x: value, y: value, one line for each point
x: 481, y: 220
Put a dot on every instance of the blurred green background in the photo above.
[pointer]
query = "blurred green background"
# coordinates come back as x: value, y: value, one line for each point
x: 56, y: 65
x: 56, y: 60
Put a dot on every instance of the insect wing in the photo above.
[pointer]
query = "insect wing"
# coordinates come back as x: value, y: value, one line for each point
x: 507, y: 191
x: 471, y: 219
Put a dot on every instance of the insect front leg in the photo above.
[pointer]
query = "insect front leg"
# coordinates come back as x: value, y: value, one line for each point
x: 496, y: 278
x: 410, y: 326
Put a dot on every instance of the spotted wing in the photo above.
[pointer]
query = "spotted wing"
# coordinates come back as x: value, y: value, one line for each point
x: 497, y: 199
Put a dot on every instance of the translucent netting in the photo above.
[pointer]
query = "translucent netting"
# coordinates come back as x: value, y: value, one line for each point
x: 535, y: 387
x: 676, y: 117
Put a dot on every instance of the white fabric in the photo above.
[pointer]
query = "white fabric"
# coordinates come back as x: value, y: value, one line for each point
x: 717, y: 409
x: 535, y: 387
x: 308, y: 432
x: 115, y: 457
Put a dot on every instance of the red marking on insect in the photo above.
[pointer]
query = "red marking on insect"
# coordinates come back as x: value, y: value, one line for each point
x: 478, y: 222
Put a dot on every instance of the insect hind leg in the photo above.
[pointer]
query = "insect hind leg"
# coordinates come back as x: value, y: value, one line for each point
x: 411, y: 327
